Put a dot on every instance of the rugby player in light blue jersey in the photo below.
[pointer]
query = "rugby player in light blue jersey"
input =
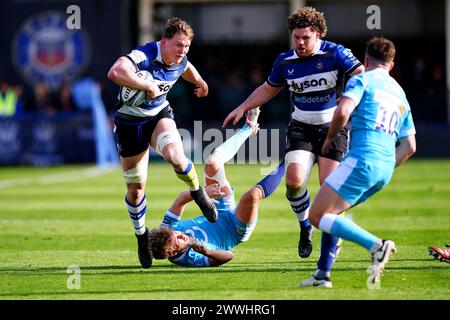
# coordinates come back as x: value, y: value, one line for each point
x: 382, y: 138
x: 311, y: 71
x: 199, y: 243
x: 152, y: 123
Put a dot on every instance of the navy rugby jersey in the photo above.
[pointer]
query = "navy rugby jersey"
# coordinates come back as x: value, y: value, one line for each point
x: 148, y: 57
x: 312, y: 80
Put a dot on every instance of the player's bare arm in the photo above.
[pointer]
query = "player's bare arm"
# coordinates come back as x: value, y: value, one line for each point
x: 180, y: 202
x: 191, y: 74
x: 340, y: 119
x: 358, y: 70
x: 178, y: 206
x: 405, y: 149
x: 216, y: 257
x: 123, y: 74
x: 260, y: 96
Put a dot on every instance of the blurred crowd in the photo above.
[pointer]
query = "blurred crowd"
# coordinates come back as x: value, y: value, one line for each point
x: 230, y: 82
x: 18, y: 99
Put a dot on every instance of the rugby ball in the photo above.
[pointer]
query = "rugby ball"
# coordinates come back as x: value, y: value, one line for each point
x: 132, y: 97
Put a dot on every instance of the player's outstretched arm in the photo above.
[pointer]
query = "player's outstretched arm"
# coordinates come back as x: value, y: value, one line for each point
x: 405, y: 149
x: 191, y: 74
x: 178, y: 206
x: 216, y: 257
x: 180, y: 202
x: 260, y: 96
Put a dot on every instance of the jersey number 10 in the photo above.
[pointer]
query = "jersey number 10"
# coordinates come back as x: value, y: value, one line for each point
x: 387, y: 119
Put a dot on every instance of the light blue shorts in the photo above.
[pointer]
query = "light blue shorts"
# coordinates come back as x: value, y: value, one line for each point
x: 356, y: 180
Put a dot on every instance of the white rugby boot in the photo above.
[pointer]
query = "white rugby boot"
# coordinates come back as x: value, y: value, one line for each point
x: 379, y: 260
x: 312, y: 281
x: 252, y: 119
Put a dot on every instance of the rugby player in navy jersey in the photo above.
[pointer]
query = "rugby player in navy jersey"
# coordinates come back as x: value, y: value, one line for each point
x: 199, y: 243
x: 152, y: 123
x: 311, y: 71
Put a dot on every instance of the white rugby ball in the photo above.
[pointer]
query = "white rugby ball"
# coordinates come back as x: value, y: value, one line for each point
x: 133, y: 97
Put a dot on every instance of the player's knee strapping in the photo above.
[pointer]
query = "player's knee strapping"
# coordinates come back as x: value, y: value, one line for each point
x: 137, y: 174
x: 167, y: 137
x: 299, y: 199
x: 137, y: 215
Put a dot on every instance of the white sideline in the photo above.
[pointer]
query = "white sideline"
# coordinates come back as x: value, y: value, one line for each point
x: 57, y: 177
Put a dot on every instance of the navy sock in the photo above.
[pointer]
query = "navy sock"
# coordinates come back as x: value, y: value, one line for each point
x: 272, y: 180
x: 305, y: 224
x: 327, y: 252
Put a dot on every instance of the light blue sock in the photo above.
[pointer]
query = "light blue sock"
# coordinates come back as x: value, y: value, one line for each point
x: 230, y: 147
x: 345, y: 228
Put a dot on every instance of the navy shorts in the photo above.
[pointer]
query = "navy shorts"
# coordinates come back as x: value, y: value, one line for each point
x: 308, y: 137
x: 134, y: 133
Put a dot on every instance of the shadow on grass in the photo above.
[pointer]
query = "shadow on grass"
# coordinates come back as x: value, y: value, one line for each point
x: 85, y: 292
x: 166, y: 269
x: 238, y: 267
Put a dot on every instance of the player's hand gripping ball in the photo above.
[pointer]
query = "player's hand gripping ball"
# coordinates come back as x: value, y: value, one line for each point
x: 134, y: 97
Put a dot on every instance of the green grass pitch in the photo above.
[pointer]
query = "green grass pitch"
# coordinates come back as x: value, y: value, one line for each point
x: 53, y: 218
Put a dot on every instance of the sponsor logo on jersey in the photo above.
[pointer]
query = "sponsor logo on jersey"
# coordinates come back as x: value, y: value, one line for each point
x: 45, y: 50
x: 316, y: 99
x: 303, y: 85
x: 314, y: 82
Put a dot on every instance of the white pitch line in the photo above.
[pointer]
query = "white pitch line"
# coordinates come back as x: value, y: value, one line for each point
x: 56, y: 178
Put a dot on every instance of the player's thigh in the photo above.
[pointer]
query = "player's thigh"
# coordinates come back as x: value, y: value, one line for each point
x: 326, y: 167
x: 248, y: 205
x: 298, y: 166
x: 128, y: 163
x: 327, y: 200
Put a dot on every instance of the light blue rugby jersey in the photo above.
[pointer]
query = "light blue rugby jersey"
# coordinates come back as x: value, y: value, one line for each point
x: 148, y: 57
x: 381, y: 118
x: 220, y: 235
x: 312, y: 80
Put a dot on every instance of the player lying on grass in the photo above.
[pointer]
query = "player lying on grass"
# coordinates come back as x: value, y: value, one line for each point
x: 199, y: 243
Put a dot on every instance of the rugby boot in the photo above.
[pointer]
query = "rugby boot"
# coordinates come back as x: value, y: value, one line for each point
x: 252, y: 119
x: 205, y: 204
x: 305, y: 242
x: 144, y: 249
x: 379, y: 260
x: 312, y: 281
x: 440, y: 254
